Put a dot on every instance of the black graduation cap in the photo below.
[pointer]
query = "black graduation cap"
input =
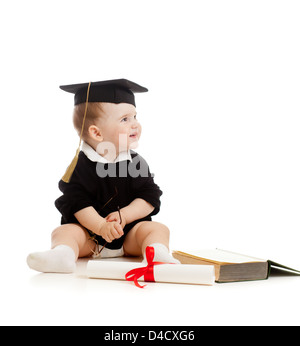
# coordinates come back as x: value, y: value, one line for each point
x: 113, y: 91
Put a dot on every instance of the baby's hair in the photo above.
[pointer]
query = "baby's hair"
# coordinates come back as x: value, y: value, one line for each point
x: 94, y: 112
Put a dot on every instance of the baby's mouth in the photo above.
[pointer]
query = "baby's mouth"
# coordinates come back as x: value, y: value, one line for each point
x: 133, y: 135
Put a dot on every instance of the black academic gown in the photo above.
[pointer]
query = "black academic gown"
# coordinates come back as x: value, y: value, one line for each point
x: 107, y: 186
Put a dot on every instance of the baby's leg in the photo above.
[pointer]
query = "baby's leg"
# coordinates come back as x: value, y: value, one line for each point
x: 149, y: 233
x: 69, y: 242
x: 76, y: 237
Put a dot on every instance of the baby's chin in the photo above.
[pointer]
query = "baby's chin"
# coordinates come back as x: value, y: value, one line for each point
x: 134, y: 145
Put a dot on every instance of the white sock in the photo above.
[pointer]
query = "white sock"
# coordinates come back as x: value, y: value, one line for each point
x: 61, y: 259
x: 161, y: 254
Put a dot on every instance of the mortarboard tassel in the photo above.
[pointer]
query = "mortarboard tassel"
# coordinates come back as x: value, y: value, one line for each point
x: 67, y: 176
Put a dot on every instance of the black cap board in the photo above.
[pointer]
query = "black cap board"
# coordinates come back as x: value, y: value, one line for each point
x: 113, y: 91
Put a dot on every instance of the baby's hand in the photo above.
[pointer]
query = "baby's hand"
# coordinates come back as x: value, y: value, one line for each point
x: 110, y: 231
x: 115, y: 216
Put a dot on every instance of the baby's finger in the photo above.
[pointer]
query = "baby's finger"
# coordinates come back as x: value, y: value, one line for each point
x: 114, y: 234
x: 111, y: 218
x: 107, y: 238
x: 119, y: 229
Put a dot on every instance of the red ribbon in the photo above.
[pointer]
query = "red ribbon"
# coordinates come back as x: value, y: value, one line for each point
x: 147, y: 272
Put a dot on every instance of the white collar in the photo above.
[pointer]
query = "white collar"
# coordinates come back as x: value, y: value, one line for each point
x: 95, y: 157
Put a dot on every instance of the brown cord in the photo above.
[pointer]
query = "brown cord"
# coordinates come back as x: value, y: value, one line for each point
x: 67, y: 176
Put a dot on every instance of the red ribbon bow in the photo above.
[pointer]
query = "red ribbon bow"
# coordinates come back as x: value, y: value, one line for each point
x: 147, y: 272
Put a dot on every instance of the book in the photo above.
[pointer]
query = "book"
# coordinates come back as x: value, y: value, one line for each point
x: 231, y: 266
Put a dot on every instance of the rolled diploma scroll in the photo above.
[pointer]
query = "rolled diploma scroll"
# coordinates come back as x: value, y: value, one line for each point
x: 172, y: 273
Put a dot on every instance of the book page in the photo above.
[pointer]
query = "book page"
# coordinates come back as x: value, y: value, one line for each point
x: 220, y: 256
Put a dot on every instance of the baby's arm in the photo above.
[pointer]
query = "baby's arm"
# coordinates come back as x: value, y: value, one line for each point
x: 90, y: 219
x: 136, y: 210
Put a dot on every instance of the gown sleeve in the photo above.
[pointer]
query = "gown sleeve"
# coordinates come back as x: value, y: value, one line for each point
x: 77, y: 194
x: 143, y: 185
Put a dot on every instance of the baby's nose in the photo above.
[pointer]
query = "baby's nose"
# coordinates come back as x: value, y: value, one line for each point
x: 134, y: 124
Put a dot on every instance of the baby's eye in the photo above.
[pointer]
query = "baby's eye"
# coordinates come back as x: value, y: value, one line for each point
x: 124, y: 119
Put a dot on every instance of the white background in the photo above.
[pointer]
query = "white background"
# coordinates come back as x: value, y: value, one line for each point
x: 220, y: 125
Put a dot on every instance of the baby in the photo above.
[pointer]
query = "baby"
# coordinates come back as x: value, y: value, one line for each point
x: 109, y: 194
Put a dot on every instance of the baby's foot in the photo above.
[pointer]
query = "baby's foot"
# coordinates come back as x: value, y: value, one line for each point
x: 162, y: 254
x: 61, y: 259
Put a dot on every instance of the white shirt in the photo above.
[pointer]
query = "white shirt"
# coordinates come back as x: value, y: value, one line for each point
x: 95, y: 157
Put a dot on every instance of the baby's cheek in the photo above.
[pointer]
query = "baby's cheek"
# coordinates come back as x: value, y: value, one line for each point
x: 123, y: 141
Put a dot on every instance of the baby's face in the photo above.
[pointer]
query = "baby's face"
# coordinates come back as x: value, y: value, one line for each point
x: 119, y: 126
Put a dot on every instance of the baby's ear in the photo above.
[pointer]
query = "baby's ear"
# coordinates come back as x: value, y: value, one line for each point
x: 95, y: 133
